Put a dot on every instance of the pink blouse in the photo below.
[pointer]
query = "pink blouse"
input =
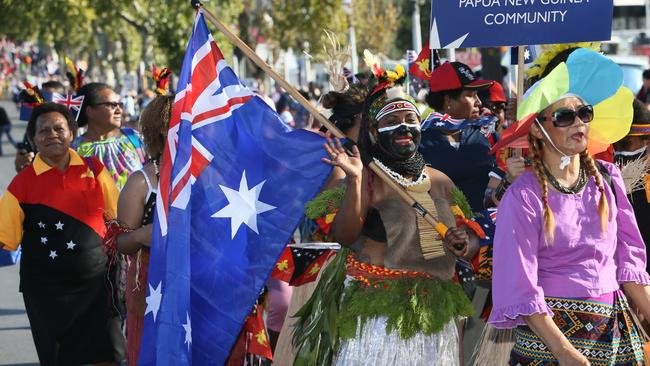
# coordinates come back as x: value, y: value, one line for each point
x: 580, y: 262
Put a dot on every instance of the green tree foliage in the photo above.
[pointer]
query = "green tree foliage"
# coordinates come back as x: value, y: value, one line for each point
x: 404, y: 32
x: 298, y: 23
x: 102, y: 30
x: 376, y: 23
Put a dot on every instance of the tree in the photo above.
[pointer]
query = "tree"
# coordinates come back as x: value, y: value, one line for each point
x: 116, y: 34
x: 376, y: 24
x: 300, y: 23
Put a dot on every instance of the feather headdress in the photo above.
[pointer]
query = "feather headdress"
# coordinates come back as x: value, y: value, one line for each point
x: 75, y: 75
x: 161, y: 79
x: 31, y: 95
x: 337, y: 57
x: 387, y: 78
x: 542, y: 61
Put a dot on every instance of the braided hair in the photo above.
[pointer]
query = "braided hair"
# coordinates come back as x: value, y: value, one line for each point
x: 536, y: 153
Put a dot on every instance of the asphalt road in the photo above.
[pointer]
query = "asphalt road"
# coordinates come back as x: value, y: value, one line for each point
x: 16, y: 344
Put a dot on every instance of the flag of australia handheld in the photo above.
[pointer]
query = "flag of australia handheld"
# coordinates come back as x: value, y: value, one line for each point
x: 233, y: 182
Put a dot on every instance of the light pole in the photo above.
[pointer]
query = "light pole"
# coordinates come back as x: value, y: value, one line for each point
x: 647, y: 16
x: 417, y: 31
x: 354, y: 59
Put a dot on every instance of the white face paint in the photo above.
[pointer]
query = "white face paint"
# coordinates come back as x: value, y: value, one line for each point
x: 394, y: 127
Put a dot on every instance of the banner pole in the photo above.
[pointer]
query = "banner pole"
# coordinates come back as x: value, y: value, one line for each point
x: 437, y: 225
x: 520, y: 73
x: 520, y: 86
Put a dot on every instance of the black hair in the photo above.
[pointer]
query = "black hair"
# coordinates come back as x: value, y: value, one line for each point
x: 436, y: 100
x: 91, y: 95
x: 50, y: 107
x: 54, y: 86
x: 346, y: 106
x: 646, y: 74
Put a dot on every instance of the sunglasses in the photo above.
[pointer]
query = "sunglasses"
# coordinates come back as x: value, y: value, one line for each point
x: 495, y: 107
x: 565, y: 117
x: 112, y: 105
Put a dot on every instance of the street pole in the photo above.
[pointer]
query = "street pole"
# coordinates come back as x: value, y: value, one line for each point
x: 647, y: 16
x: 417, y: 32
x: 354, y: 58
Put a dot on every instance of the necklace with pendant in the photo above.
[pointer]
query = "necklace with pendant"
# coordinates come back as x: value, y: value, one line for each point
x: 575, y: 188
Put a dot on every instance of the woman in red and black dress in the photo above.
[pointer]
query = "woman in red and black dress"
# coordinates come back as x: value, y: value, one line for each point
x: 56, y: 208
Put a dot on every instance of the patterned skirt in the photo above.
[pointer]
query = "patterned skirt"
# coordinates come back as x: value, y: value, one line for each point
x: 603, y: 332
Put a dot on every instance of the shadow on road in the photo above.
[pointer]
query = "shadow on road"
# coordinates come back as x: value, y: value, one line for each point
x: 14, y: 328
x: 11, y: 311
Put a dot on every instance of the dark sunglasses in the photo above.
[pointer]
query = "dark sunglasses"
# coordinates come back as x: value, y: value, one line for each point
x: 495, y: 107
x: 111, y: 105
x: 566, y: 117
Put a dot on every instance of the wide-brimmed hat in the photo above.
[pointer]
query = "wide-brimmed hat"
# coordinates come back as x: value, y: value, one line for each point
x: 455, y: 75
x: 594, y: 78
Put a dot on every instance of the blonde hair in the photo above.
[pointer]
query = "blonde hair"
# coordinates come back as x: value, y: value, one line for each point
x: 536, y: 156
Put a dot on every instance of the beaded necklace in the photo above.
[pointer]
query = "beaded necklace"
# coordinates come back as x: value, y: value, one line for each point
x: 575, y: 188
x: 400, y: 178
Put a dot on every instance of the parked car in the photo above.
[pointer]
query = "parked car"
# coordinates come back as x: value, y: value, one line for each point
x: 633, y: 67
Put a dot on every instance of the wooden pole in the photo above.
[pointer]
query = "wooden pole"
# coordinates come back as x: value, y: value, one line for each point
x: 520, y: 87
x: 438, y: 226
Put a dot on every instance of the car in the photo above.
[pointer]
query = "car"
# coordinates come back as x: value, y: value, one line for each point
x: 633, y: 67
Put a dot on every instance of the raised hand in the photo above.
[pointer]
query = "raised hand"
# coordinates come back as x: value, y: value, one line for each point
x: 351, y: 164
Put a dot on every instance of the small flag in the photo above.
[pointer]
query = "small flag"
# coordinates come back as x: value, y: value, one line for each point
x: 411, y: 56
x: 72, y: 102
x: 445, y: 122
x: 26, y: 108
x: 529, y: 55
x: 421, y: 67
x: 298, y: 266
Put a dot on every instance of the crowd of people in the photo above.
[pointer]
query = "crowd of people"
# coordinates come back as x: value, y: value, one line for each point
x: 544, y: 204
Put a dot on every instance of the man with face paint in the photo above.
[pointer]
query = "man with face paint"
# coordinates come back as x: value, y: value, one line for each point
x: 396, y: 135
x: 370, y: 328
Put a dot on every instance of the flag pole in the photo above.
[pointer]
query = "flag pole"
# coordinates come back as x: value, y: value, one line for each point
x: 520, y: 86
x: 520, y: 73
x: 437, y: 224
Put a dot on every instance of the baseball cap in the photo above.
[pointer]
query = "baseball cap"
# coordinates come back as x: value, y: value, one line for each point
x: 494, y: 94
x: 455, y: 75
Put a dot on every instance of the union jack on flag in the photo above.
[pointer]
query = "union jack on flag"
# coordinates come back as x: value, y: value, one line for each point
x: 445, y: 122
x: 233, y: 183
x: 72, y: 102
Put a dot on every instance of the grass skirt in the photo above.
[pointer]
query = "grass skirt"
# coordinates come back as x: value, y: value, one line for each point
x: 373, y: 346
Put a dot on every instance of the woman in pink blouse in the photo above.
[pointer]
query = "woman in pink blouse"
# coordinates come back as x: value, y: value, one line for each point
x: 567, y: 244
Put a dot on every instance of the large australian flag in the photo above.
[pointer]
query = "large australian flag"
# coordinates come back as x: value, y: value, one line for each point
x: 233, y: 182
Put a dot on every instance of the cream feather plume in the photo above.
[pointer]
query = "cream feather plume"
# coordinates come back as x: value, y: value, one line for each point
x: 634, y: 173
x: 337, y: 57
